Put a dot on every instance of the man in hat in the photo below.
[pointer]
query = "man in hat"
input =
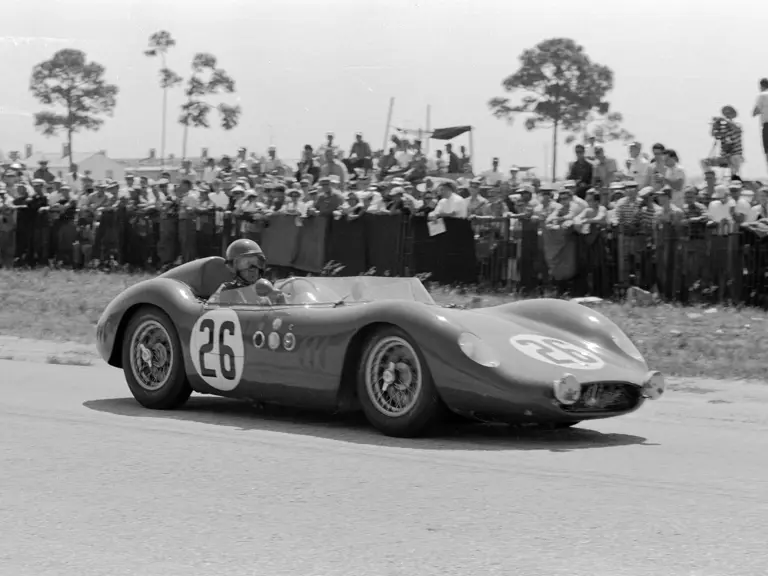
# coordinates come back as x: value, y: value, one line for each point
x: 328, y: 200
x: 43, y: 173
x: 493, y: 176
x: 7, y: 228
x: 360, y: 155
x: 729, y: 133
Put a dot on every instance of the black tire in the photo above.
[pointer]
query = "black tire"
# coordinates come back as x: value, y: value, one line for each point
x: 425, y: 411
x: 176, y: 389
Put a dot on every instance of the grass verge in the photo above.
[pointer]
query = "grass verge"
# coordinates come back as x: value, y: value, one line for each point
x: 715, y: 342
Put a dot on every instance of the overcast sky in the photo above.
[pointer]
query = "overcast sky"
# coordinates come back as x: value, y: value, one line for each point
x: 306, y: 67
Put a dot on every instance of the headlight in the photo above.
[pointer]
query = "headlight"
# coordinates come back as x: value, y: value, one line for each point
x: 477, y: 350
x: 654, y: 385
x: 567, y: 389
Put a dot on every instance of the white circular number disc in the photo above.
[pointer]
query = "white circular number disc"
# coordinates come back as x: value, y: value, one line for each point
x: 217, y: 349
x: 556, y: 352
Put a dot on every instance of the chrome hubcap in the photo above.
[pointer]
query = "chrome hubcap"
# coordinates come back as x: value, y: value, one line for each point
x: 393, y: 376
x: 151, y: 355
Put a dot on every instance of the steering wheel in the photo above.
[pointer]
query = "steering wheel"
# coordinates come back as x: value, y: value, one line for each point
x: 291, y: 281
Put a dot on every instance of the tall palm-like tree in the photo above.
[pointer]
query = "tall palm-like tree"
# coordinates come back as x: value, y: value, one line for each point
x: 159, y: 44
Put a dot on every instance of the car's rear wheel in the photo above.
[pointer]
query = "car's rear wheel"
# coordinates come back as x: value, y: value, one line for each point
x: 395, y: 387
x: 153, y: 362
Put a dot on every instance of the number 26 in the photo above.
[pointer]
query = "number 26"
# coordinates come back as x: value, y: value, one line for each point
x: 226, y: 354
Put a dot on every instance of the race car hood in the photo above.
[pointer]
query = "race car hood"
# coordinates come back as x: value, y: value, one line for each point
x: 541, y: 347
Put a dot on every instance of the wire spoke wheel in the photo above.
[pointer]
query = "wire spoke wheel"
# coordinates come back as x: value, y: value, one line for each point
x: 151, y: 355
x: 393, y: 376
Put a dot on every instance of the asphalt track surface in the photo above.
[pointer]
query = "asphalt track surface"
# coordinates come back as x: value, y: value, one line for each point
x: 91, y: 484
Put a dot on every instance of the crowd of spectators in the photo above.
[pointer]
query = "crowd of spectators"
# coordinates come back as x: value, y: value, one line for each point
x: 44, y: 221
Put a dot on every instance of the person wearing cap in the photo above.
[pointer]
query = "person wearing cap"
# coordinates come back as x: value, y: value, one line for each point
x: 328, y: 200
x: 333, y: 167
x: 43, y: 173
x: 581, y: 170
x: 694, y: 212
x: 595, y: 214
x: 64, y: 231
x: 728, y: 133
x: 669, y: 213
x: 294, y: 205
x: 729, y: 206
x: 360, y: 155
x: 546, y: 205
x: 187, y: 171
x: 7, y: 228
x: 188, y: 202
x: 566, y: 213
x: 638, y: 166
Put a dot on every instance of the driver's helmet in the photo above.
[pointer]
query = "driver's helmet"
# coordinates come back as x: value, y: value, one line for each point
x: 246, y: 257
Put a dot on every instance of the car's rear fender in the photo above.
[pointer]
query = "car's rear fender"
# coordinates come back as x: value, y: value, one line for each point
x: 171, y: 296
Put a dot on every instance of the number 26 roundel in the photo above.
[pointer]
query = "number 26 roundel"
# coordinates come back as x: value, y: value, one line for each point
x: 217, y: 350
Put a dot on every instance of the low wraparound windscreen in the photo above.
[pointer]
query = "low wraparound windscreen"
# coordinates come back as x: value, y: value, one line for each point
x: 330, y: 289
x: 324, y: 289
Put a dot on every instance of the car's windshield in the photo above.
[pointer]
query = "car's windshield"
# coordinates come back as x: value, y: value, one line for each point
x: 332, y: 290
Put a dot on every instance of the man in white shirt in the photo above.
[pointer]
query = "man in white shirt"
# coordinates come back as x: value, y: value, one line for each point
x: 451, y: 204
x: 638, y: 167
x: 761, y: 108
x: 493, y: 176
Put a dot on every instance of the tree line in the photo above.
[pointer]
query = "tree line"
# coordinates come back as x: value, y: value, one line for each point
x: 556, y: 86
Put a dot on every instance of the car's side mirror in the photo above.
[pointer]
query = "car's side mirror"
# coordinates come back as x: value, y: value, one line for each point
x: 264, y: 288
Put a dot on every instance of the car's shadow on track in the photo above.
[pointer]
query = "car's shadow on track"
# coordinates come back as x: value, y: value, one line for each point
x: 355, y: 429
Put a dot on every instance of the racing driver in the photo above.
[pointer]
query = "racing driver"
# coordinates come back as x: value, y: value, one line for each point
x: 247, y: 262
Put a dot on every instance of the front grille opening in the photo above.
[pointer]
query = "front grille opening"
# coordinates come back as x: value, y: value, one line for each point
x: 606, y: 397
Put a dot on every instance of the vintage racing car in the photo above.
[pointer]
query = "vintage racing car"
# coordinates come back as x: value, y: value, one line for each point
x: 377, y: 343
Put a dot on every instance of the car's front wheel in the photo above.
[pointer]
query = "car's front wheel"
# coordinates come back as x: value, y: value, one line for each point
x: 395, y: 387
x: 153, y: 362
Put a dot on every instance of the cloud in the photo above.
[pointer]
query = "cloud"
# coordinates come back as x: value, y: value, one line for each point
x: 29, y: 40
x: 5, y: 111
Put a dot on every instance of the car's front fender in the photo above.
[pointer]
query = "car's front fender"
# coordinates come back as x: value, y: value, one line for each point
x: 576, y: 319
x: 172, y: 297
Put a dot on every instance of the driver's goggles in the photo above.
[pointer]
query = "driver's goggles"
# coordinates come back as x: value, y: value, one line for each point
x: 251, y: 261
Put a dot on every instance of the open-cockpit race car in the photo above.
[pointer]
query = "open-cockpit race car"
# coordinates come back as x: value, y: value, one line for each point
x: 380, y: 344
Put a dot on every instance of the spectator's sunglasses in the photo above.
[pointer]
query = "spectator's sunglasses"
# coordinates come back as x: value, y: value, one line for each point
x: 253, y: 260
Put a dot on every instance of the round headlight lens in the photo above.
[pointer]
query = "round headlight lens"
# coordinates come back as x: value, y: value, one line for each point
x: 477, y: 350
x: 654, y: 385
x: 567, y: 389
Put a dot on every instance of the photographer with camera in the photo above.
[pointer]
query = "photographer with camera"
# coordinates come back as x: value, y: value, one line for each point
x: 728, y: 133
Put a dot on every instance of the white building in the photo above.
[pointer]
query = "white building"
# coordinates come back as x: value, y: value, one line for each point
x: 99, y: 164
